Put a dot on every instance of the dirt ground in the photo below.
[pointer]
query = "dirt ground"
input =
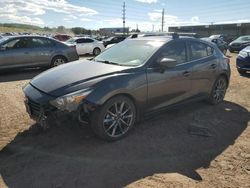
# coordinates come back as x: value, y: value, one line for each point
x: 162, y: 151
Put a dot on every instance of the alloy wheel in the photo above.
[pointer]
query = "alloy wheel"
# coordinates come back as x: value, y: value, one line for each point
x: 219, y: 90
x: 118, y: 119
x: 58, y: 61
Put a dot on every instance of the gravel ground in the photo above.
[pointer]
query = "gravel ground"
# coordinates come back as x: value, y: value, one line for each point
x: 197, y: 145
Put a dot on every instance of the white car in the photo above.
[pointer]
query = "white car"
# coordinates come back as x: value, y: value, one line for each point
x: 86, y: 45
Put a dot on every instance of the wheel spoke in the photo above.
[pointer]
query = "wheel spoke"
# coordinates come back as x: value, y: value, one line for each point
x: 114, y: 130
x: 112, y: 125
x: 125, y: 123
x: 108, y: 120
x: 116, y: 108
x: 111, y: 113
x: 128, y: 116
x: 121, y: 106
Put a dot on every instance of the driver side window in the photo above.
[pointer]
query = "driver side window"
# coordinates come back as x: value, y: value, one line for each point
x: 15, y: 44
x: 175, y: 50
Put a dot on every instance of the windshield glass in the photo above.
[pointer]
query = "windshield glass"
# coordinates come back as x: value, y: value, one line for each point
x: 3, y: 39
x: 130, y: 52
x: 243, y: 38
x: 71, y: 41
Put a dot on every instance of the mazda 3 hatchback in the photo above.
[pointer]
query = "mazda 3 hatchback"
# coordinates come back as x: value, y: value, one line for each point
x: 128, y: 81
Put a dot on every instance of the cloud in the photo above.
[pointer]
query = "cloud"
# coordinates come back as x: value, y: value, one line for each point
x: 147, y: 1
x: 23, y: 19
x: 14, y: 9
x: 86, y: 19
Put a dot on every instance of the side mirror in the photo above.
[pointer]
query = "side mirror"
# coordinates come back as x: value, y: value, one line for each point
x: 2, y: 48
x: 167, y: 62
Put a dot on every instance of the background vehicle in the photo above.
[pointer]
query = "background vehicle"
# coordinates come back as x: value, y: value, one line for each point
x: 62, y: 37
x: 34, y: 51
x: 129, y: 80
x: 243, y: 60
x: 86, y: 45
x: 223, y: 37
x: 222, y: 45
x: 239, y: 43
x: 113, y: 40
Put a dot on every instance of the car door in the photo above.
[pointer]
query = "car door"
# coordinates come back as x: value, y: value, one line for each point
x: 172, y: 85
x: 89, y: 45
x: 80, y: 47
x: 205, y: 67
x: 41, y: 50
x: 14, y: 53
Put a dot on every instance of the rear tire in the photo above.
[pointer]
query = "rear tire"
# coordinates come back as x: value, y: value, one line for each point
x: 218, y: 91
x: 114, y: 119
x: 58, y: 60
x: 96, y: 51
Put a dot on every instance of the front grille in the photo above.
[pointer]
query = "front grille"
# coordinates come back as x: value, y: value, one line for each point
x: 35, y: 108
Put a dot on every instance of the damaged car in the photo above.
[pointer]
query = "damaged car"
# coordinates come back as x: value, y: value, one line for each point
x: 128, y: 81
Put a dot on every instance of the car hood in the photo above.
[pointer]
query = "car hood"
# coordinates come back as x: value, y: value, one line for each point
x: 73, y: 76
x: 247, y: 49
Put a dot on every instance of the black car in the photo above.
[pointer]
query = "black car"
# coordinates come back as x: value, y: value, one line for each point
x: 128, y: 81
x: 113, y: 40
x: 239, y: 43
x: 222, y: 45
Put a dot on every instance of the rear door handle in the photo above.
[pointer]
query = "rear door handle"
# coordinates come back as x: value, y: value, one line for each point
x: 186, y: 73
x: 213, y: 66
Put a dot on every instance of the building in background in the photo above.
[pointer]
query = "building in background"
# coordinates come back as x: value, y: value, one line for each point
x: 231, y: 30
x: 113, y: 31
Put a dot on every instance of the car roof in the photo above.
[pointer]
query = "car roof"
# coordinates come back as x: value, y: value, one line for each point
x: 165, y: 38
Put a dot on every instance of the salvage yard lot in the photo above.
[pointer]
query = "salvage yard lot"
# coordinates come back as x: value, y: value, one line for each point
x: 163, y: 151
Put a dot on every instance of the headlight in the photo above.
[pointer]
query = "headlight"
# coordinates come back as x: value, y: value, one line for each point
x: 243, y: 54
x: 71, y: 101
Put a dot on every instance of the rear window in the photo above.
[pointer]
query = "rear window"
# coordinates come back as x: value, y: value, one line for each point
x: 200, y: 50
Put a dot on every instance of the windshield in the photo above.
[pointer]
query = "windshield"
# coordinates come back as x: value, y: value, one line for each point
x: 130, y: 52
x: 3, y: 39
x: 243, y: 38
x: 71, y: 41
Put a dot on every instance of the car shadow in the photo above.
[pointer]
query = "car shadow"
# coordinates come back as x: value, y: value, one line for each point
x: 246, y: 75
x: 71, y: 156
x: 20, y: 74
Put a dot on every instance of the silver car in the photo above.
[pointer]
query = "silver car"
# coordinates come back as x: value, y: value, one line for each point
x: 34, y: 51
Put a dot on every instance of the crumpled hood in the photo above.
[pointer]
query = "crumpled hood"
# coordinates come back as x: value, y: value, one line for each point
x: 60, y: 80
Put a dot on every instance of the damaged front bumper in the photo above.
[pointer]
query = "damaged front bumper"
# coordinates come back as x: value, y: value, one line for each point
x: 38, y: 107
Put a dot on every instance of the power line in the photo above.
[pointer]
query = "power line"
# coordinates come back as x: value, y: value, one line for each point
x: 162, y: 20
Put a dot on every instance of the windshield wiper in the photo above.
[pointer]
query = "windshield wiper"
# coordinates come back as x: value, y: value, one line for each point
x: 107, y: 62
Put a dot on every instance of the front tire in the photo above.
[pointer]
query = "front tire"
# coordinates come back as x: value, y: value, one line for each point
x: 241, y: 71
x: 114, y: 119
x: 218, y: 91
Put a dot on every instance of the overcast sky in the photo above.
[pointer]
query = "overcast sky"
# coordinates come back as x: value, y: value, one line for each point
x: 94, y: 14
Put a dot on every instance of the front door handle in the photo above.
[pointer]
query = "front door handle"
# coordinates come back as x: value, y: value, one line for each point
x: 186, y: 73
x: 213, y: 66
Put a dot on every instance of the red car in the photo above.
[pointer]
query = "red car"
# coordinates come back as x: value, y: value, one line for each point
x: 62, y: 37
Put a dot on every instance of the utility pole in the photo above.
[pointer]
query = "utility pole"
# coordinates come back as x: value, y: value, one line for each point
x: 162, y: 20
x: 153, y: 27
x: 136, y: 27
x: 123, y: 17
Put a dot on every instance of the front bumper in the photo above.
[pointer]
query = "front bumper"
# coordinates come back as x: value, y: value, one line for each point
x: 243, y: 63
x: 38, y: 107
x: 37, y: 103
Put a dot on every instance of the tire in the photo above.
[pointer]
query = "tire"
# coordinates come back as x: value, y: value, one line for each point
x: 218, y: 91
x: 58, y: 60
x: 114, y: 119
x: 241, y: 71
x: 96, y: 51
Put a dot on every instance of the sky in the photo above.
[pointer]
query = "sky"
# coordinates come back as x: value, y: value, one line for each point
x: 95, y: 14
